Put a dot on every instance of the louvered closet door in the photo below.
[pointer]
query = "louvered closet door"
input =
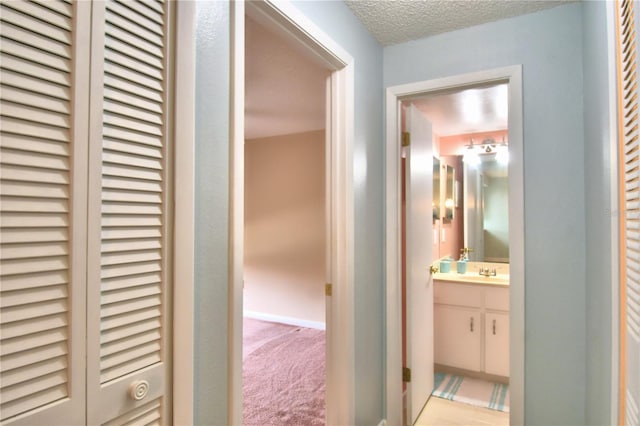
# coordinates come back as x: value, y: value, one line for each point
x: 628, y: 56
x: 43, y: 129
x: 129, y: 215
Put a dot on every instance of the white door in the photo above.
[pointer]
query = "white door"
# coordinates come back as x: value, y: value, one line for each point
x: 128, y: 288
x: 86, y: 212
x: 42, y: 212
x: 419, y: 196
x: 628, y: 25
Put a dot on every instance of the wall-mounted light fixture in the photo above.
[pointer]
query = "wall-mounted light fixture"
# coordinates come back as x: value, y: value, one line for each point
x: 473, y: 151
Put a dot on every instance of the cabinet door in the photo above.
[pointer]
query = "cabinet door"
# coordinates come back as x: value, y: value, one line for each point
x: 496, y: 349
x: 458, y: 337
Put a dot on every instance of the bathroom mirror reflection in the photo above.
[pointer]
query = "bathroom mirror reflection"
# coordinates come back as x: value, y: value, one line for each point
x: 471, y: 144
x: 436, y: 189
x: 449, y: 203
x: 485, y: 208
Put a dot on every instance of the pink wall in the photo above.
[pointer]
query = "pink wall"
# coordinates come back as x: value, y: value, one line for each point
x: 284, y: 261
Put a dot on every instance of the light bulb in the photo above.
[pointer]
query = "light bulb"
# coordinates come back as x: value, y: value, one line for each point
x: 502, y: 154
x: 471, y: 157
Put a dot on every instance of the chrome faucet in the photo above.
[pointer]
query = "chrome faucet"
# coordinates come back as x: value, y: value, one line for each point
x: 487, y: 272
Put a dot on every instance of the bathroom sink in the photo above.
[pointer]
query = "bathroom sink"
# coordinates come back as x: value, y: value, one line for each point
x: 499, y: 279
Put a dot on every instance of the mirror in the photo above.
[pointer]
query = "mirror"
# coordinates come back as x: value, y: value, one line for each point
x: 486, y: 207
x: 436, y: 189
x: 483, y: 219
x: 449, y: 203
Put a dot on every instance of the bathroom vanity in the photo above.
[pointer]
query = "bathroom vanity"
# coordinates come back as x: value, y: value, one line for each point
x: 471, y: 319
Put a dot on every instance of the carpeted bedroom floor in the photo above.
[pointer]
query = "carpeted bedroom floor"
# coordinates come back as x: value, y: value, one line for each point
x: 283, y: 374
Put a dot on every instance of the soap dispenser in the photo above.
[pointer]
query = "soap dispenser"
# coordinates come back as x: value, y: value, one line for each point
x: 461, y: 265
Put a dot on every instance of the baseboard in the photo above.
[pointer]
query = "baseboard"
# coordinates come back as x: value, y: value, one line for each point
x: 383, y: 422
x: 285, y: 320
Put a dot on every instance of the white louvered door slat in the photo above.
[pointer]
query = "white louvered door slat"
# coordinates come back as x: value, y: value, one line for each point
x: 628, y: 54
x: 43, y: 211
x: 129, y: 214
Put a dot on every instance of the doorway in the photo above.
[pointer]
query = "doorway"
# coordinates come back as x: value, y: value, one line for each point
x: 288, y: 22
x: 284, y: 232
x: 469, y: 219
x: 395, y: 95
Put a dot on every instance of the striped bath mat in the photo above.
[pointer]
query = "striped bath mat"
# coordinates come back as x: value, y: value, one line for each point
x: 472, y: 391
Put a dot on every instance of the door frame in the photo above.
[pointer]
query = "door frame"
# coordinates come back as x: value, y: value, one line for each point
x: 511, y: 75
x: 183, y: 374
x: 291, y: 23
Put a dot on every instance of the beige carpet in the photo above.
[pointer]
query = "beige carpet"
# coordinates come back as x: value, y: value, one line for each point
x: 283, y: 374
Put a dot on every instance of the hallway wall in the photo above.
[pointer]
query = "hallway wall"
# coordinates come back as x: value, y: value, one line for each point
x: 211, y: 269
x: 548, y: 44
x: 599, y: 164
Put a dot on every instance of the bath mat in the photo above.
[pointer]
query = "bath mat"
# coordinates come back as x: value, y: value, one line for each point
x: 472, y: 391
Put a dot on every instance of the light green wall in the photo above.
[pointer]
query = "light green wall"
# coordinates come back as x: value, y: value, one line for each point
x: 496, y: 218
x: 598, y: 179
x: 211, y: 213
x: 566, y: 375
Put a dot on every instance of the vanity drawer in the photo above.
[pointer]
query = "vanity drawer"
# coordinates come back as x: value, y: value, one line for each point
x: 457, y: 294
x: 496, y: 298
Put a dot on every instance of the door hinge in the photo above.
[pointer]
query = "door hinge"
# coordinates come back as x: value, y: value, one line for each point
x: 406, y: 374
x: 327, y: 289
x: 406, y: 138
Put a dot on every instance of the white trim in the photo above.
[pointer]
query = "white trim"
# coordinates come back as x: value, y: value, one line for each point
x: 512, y: 75
x: 340, y: 384
x: 184, y: 208
x: 383, y: 422
x: 236, y: 217
x: 614, y: 208
x: 285, y: 320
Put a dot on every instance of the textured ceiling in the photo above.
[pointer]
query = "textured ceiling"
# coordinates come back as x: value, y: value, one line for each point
x: 397, y: 21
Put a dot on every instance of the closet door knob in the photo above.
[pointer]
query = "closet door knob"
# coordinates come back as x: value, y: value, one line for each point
x: 138, y: 389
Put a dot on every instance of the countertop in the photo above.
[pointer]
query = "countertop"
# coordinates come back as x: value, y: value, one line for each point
x: 473, y: 278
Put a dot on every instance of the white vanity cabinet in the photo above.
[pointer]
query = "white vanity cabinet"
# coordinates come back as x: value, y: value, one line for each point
x: 472, y: 327
x: 496, y: 331
x: 459, y: 343
x: 496, y: 343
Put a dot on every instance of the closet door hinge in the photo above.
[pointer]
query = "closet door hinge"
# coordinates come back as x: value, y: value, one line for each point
x: 406, y: 374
